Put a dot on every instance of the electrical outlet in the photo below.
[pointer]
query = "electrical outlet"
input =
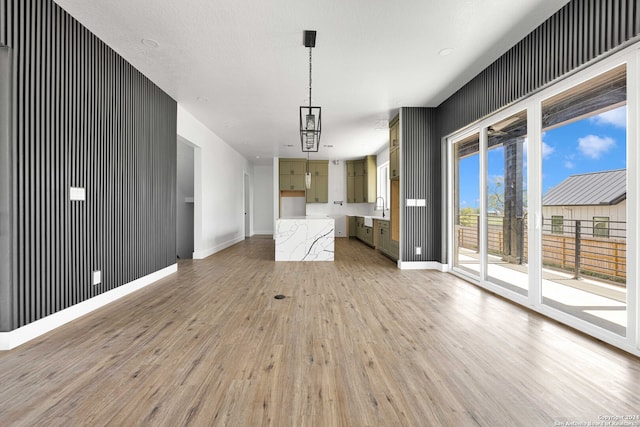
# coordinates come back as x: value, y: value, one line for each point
x: 418, y: 250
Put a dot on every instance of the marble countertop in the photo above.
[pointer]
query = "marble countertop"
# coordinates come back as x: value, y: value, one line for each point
x: 306, y: 217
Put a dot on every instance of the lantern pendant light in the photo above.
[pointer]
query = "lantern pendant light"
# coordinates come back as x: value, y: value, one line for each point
x: 310, y: 116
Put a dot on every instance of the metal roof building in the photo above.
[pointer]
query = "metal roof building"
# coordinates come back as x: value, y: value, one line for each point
x: 597, y: 188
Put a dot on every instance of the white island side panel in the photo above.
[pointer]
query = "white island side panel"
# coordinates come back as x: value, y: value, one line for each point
x: 305, y: 239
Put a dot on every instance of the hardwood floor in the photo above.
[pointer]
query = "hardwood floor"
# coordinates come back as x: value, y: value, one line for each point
x: 355, y: 342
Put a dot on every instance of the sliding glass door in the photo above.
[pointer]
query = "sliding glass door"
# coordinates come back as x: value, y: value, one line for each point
x: 584, y: 208
x: 466, y: 204
x: 544, y: 203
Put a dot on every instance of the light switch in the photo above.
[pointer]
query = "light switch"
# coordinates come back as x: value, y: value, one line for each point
x: 421, y: 202
x: 97, y: 277
x: 77, y: 193
x: 411, y: 202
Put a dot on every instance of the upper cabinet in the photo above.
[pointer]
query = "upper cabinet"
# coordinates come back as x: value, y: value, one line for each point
x: 292, y: 174
x: 319, y: 191
x: 361, y: 180
x: 292, y: 178
x: 394, y: 176
x: 394, y: 149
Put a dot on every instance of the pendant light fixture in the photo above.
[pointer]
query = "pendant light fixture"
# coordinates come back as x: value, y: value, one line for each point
x: 307, y: 176
x: 310, y: 116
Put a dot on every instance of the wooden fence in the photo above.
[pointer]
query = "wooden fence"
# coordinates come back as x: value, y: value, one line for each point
x: 600, y: 257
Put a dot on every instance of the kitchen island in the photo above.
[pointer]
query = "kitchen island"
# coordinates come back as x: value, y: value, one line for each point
x: 305, y: 238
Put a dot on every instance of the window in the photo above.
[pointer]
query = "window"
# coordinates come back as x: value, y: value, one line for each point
x: 557, y: 222
x: 601, y: 226
x: 383, y: 185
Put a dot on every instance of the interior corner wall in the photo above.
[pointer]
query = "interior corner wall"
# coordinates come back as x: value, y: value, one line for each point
x: 420, y: 146
x: 219, y: 187
x: 82, y: 117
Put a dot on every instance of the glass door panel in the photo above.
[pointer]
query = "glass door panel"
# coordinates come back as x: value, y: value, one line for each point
x: 506, y: 214
x: 584, y: 235
x: 466, y: 196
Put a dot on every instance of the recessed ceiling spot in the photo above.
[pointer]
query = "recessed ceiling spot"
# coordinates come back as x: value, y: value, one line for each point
x: 446, y: 51
x: 150, y: 43
x: 257, y: 157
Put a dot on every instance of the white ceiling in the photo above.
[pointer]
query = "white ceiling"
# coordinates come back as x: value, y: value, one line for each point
x: 240, y: 66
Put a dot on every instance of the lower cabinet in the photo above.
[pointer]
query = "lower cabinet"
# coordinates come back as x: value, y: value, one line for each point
x: 378, y: 236
x: 367, y: 235
x: 353, y: 226
x: 383, y: 236
x: 362, y: 232
x: 394, y: 249
x: 385, y: 244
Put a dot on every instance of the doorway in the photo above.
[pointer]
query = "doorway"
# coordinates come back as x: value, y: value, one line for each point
x: 185, y: 200
x: 247, y: 206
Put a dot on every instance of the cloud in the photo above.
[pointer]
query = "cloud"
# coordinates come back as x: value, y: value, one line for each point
x: 569, y: 161
x: 547, y: 150
x: 617, y: 118
x: 594, y: 146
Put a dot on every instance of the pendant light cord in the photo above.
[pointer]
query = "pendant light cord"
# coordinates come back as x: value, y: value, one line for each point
x: 310, y: 80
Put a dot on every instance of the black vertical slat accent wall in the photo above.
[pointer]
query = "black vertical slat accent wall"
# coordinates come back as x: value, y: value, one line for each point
x: 6, y: 288
x: 420, y: 146
x: 577, y: 34
x: 81, y: 117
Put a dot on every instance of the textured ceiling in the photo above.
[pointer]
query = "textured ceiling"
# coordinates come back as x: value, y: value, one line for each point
x: 240, y: 66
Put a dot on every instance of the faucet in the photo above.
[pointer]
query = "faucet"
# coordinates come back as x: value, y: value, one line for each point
x: 374, y: 206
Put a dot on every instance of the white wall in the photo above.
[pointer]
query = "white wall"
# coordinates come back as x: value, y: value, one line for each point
x: 218, y: 190
x: 263, y: 199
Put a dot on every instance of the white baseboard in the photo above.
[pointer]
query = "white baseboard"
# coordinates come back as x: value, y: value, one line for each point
x: 208, y: 252
x: 262, y: 232
x: 12, y: 339
x: 422, y: 265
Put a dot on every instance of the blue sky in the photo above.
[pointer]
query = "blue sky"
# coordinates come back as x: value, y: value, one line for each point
x: 590, y: 145
x: 593, y: 144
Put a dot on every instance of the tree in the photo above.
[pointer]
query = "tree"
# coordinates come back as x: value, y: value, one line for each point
x: 469, y: 216
x: 495, y: 200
